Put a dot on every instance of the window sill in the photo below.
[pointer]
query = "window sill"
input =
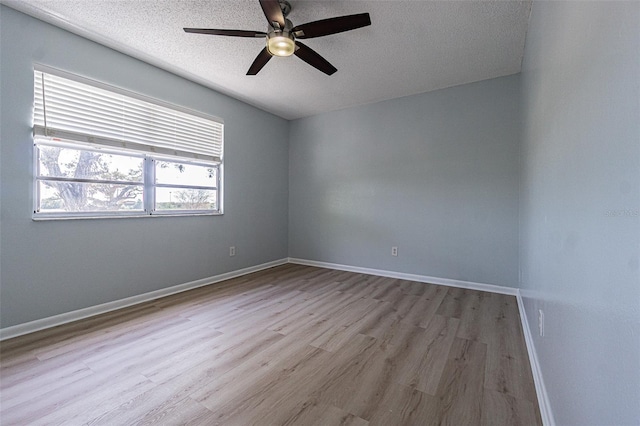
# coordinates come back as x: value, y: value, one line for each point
x: 42, y: 217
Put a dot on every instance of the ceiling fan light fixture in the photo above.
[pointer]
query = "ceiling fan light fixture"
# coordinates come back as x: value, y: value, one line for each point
x: 280, y: 44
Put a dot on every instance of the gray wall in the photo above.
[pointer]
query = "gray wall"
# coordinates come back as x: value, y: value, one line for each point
x: 435, y: 174
x: 580, y: 197
x: 58, y: 266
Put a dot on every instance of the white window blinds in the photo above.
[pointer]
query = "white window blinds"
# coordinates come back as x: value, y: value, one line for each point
x: 87, y: 111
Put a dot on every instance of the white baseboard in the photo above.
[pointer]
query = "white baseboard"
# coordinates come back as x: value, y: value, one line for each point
x: 41, y: 324
x: 410, y: 277
x: 541, y: 391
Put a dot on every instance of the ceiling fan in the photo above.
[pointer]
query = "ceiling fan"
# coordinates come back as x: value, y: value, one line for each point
x: 282, y: 36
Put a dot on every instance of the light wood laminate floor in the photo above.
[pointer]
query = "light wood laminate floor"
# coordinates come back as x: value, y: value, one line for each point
x: 292, y: 345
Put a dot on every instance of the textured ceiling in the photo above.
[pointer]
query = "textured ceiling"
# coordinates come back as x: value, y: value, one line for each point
x: 411, y: 46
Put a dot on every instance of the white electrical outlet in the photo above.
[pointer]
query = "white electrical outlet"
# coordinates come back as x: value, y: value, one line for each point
x: 394, y: 251
x: 232, y: 251
x: 541, y: 322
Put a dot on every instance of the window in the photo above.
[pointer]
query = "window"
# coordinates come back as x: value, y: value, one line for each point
x: 181, y: 186
x: 75, y: 180
x: 102, y: 151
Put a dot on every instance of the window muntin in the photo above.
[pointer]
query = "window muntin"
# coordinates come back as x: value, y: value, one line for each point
x: 104, y: 151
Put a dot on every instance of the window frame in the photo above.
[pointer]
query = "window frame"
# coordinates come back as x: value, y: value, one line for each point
x: 182, y: 212
x: 148, y: 183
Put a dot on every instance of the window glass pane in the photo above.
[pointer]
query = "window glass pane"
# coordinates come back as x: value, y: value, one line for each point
x: 83, y: 164
x: 56, y: 197
x: 185, y: 199
x: 172, y: 173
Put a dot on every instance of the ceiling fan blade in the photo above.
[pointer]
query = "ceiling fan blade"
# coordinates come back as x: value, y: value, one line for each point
x: 231, y: 33
x: 331, y: 26
x: 273, y: 12
x: 260, y: 61
x: 312, y: 58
